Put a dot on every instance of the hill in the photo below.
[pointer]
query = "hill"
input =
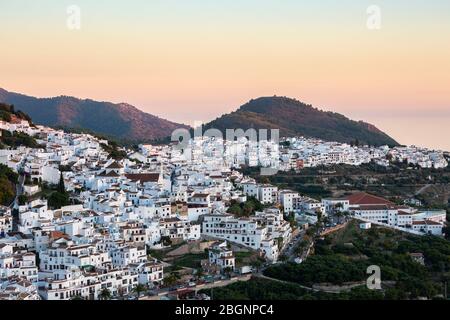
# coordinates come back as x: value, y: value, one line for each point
x: 9, y: 114
x: 295, y: 118
x: 16, y: 139
x: 343, y: 257
x: 121, y: 121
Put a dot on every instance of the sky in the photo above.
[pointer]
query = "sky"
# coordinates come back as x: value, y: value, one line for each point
x: 193, y: 60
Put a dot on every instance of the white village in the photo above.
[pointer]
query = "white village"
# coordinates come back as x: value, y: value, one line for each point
x: 104, y: 243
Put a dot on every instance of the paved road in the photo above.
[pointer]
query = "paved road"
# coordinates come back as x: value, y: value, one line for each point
x: 19, y: 191
x: 215, y: 284
x: 15, y: 203
x: 290, y: 249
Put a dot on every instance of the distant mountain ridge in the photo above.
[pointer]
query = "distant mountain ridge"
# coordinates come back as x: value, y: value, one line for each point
x: 295, y: 118
x: 121, y: 121
x: 127, y: 123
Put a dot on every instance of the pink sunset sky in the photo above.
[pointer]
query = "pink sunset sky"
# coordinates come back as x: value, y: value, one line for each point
x: 195, y: 60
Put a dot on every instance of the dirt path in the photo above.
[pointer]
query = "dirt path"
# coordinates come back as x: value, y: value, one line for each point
x: 425, y: 187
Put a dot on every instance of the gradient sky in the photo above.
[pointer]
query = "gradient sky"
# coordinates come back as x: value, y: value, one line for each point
x: 188, y: 60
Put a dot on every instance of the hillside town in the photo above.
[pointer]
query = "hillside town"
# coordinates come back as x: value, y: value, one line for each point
x: 97, y: 244
x: 306, y: 152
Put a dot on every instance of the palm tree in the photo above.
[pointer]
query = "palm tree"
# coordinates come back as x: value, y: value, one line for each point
x: 339, y: 215
x: 171, y: 279
x: 121, y: 293
x: 319, y: 217
x: 338, y: 206
x: 199, y: 273
x: 105, y: 294
x: 256, y: 264
x: 338, y: 210
x: 227, y: 271
x: 319, y: 223
x: 138, y: 289
x: 346, y: 214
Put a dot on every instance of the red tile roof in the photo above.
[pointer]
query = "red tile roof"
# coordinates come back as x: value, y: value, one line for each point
x: 109, y: 175
x: 373, y: 207
x: 58, y: 235
x: 114, y: 165
x: 363, y: 198
x: 143, y: 177
x: 433, y: 223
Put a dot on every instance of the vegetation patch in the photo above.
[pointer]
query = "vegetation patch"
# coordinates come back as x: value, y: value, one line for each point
x: 263, y: 289
x: 245, y: 209
x: 190, y: 260
x: 8, y: 180
x: 345, y: 256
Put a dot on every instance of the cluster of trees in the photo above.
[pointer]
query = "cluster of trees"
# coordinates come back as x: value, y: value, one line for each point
x: 106, y: 294
x: 113, y: 150
x: 7, y: 111
x: 8, y: 180
x: 245, y: 209
x: 18, y: 139
x: 60, y: 197
x: 339, y: 263
x: 446, y: 229
x: 190, y: 260
x: 172, y: 278
x: 320, y: 269
x: 22, y: 199
x: 435, y: 250
x: 263, y: 289
x: 7, y: 139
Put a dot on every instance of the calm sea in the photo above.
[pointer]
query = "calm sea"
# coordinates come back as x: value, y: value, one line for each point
x: 431, y: 132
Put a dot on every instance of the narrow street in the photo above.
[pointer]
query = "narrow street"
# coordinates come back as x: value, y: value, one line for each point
x: 15, y: 204
x: 19, y: 191
x: 206, y: 286
x: 289, y: 250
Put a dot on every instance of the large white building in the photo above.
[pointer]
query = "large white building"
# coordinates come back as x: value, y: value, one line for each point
x: 265, y: 193
x: 260, y: 232
x: 286, y: 199
x: 371, y: 208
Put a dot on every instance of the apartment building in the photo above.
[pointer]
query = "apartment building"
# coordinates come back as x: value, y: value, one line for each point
x: 286, y: 199
x: 245, y: 231
x: 175, y: 228
x: 219, y: 255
